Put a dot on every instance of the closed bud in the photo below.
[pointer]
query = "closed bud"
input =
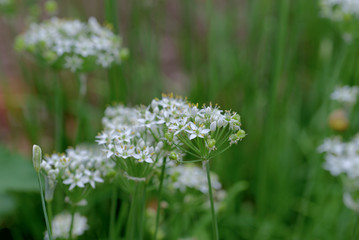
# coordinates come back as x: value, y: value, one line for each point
x: 241, y: 134
x: 211, y: 143
x: 36, y: 157
x: 338, y: 120
x: 50, y: 186
x: 51, y: 7
x: 237, y: 117
x: 169, y: 136
x: 220, y: 123
x: 213, y: 126
x: 173, y: 156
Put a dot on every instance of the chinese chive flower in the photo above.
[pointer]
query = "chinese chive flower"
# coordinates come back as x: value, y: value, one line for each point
x: 339, y: 10
x: 77, y: 168
x: 188, y: 176
x: 61, y: 225
x: 72, y: 45
x: 342, y: 159
x: 345, y: 94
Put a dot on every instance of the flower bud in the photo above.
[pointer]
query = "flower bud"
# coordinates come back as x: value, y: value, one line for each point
x: 169, y: 136
x: 173, y: 156
x: 220, y: 123
x: 36, y: 157
x: 213, y: 126
x: 211, y: 143
x: 338, y: 120
x: 124, y: 53
x: 50, y: 186
x: 51, y: 7
x: 237, y: 117
x: 241, y: 134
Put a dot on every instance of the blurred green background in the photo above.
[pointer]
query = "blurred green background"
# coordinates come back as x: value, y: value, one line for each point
x: 273, y: 61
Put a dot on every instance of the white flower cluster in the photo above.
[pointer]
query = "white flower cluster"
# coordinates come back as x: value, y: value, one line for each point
x: 77, y: 168
x: 182, y: 122
x: 341, y: 157
x: 72, y: 44
x: 345, y: 94
x: 190, y: 176
x: 339, y: 10
x: 61, y: 225
x: 125, y: 137
x: 141, y: 132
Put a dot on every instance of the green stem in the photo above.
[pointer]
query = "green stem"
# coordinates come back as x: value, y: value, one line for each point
x: 355, y: 230
x: 80, y: 108
x: 44, y: 207
x: 49, y: 212
x: 214, y: 219
x: 159, y: 197
x: 72, y: 222
x: 112, y: 233
x: 136, y: 219
x: 122, y: 217
x: 59, y: 116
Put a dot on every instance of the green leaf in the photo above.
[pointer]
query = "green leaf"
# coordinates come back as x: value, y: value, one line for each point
x: 16, y: 174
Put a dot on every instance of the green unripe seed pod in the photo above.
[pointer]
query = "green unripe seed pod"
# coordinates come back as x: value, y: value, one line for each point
x: 211, y: 143
x: 173, y: 156
x: 241, y: 134
x: 169, y: 136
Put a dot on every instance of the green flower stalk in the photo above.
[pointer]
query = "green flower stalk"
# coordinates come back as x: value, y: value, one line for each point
x: 36, y: 160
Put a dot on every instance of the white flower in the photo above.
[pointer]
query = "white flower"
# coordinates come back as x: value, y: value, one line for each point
x: 345, y: 94
x: 190, y: 176
x: 76, y: 180
x: 73, y: 63
x: 197, y: 131
x: 341, y: 157
x: 144, y: 155
x: 93, y: 177
x: 61, y: 225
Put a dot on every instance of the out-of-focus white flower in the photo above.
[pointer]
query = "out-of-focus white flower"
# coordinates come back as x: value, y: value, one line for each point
x: 71, y: 44
x: 190, y: 176
x: 338, y: 10
x: 61, y: 225
x: 341, y: 157
x: 345, y: 94
x: 73, y: 63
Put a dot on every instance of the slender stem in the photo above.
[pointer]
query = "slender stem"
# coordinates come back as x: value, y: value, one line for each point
x: 131, y: 219
x: 81, y: 104
x: 122, y: 217
x: 112, y: 233
x: 44, y: 208
x: 49, y: 212
x: 355, y: 229
x: 142, y: 211
x: 59, y: 118
x: 214, y: 219
x: 72, y: 222
x: 159, y: 197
